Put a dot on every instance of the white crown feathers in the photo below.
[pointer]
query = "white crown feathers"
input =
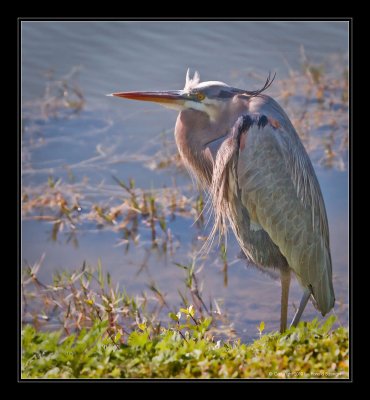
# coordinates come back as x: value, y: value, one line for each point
x: 190, y: 83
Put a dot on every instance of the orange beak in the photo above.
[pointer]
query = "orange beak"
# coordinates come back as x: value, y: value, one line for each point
x: 166, y: 97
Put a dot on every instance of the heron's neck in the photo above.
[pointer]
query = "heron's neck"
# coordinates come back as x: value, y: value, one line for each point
x: 194, y: 131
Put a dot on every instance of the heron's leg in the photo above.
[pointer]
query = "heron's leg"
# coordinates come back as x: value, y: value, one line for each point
x: 302, y: 306
x: 285, y: 283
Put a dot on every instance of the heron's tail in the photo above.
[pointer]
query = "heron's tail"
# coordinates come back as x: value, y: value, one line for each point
x: 323, y: 290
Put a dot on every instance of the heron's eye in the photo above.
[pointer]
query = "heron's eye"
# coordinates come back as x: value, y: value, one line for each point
x: 200, y: 96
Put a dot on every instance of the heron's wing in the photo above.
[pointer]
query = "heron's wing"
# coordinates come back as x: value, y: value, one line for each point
x: 280, y: 191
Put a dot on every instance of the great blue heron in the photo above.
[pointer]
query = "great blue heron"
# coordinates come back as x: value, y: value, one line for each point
x: 243, y: 149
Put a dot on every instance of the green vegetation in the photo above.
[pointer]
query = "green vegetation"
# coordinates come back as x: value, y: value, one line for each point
x: 82, y: 326
x: 185, y: 350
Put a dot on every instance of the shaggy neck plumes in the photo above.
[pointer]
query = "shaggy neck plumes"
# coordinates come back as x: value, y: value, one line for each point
x: 208, y: 154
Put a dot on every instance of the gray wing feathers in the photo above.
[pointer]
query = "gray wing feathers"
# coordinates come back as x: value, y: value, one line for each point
x: 281, y: 193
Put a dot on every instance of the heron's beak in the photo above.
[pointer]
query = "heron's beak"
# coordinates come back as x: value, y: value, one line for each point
x: 167, y: 98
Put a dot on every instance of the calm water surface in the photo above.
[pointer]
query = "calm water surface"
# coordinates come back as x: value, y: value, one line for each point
x: 118, y: 56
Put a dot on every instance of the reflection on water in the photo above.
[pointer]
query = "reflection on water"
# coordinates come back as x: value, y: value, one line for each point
x: 102, y: 179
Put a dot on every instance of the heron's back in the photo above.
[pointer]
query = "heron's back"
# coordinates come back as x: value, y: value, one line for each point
x: 284, y: 218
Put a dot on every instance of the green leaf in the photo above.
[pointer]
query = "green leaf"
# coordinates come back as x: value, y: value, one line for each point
x: 142, y: 326
x: 206, y: 322
x: 173, y: 316
x: 162, y: 224
x: 138, y: 339
x: 328, y: 324
x: 100, y: 273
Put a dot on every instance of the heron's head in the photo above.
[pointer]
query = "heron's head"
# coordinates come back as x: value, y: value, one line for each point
x: 208, y: 97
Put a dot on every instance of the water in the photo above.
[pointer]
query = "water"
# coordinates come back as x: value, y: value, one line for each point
x: 97, y: 143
